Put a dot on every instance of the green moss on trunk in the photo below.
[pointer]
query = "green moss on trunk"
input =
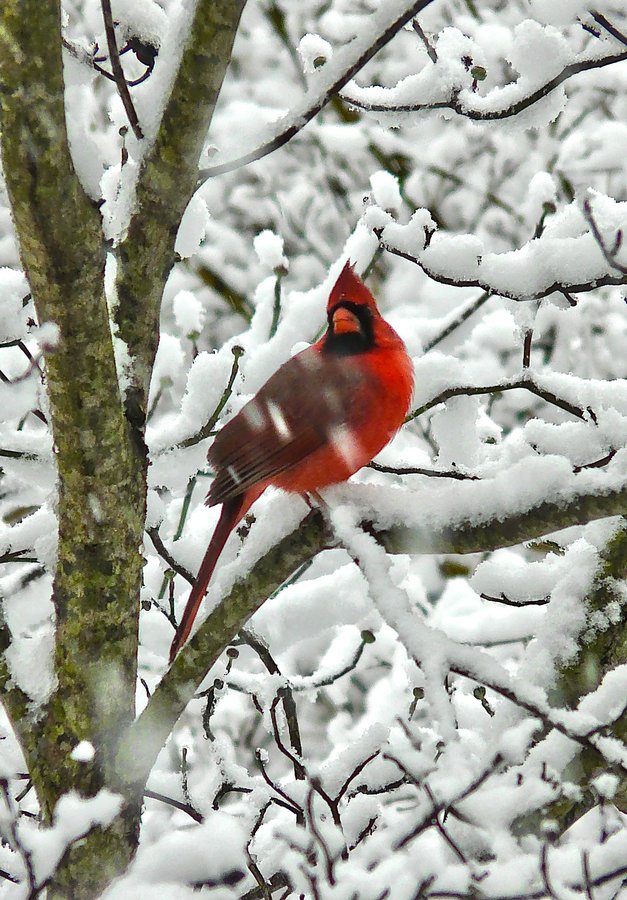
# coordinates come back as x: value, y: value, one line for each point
x: 98, y: 434
x: 101, y: 480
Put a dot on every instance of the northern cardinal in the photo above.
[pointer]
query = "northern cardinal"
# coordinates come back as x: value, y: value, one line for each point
x: 322, y: 416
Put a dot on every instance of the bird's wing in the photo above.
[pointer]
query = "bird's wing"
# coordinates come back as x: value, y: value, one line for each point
x: 290, y: 417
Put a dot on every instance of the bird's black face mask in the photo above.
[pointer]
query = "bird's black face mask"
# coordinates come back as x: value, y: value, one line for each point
x: 350, y: 330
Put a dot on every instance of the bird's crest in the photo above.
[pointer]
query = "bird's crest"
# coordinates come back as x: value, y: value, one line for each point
x: 349, y: 286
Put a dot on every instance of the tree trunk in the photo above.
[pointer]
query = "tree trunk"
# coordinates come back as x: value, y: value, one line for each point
x: 98, y: 433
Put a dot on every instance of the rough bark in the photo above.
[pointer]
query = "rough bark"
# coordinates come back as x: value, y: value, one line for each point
x: 100, y: 494
x: 606, y: 651
x: 98, y: 434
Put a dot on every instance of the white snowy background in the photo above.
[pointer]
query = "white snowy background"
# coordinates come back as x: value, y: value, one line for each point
x: 318, y: 760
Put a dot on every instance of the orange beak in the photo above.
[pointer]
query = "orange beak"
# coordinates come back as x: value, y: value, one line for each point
x: 345, y: 322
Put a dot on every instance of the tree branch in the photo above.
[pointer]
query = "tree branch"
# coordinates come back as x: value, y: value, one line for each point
x: 238, y: 302
x: 207, y: 429
x: 177, y: 804
x: 526, y: 384
x: 355, y: 56
x: 465, y: 311
x: 100, y: 511
x: 166, y: 183
x: 418, y: 470
x: 162, y: 550
x: 556, y: 286
x: 609, y: 254
x: 118, y: 71
x: 518, y: 604
x: 600, y: 19
x: 144, y: 739
x: 485, y: 115
x: 287, y: 697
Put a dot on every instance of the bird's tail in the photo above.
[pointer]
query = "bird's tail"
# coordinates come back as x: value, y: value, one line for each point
x: 232, y: 512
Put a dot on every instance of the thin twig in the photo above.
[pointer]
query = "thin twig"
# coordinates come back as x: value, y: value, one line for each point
x: 290, y: 803
x: 319, y: 839
x: 486, y: 115
x: 238, y: 301
x: 311, y: 683
x: 87, y: 59
x: 16, y: 841
x: 433, y: 56
x: 585, y: 865
x: 287, y: 697
x: 440, y: 827
x: 165, y: 554
x: 276, y: 308
x: 17, y: 556
x: 380, y: 789
x: 609, y: 255
x: 598, y: 463
x: 526, y: 384
x: 544, y: 869
x: 177, y: 804
x: 417, y: 470
x: 356, y: 771
x: 264, y: 887
x: 556, y: 286
x: 300, y: 571
x: 82, y: 56
x: 460, y: 318
x: 207, y: 428
x: 600, y: 19
x: 314, y: 683
x: 118, y: 71
x: 277, y: 882
x: 365, y: 832
x: 33, y: 366
x: 441, y: 805
x: 294, y: 757
x: 187, y: 499
x: 507, y: 602
x: 544, y: 714
x: 18, y: 454
x: 526, y: 359
x: 303, y: 117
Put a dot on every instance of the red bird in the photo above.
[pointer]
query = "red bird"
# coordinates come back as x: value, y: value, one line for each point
x: 322, y: 416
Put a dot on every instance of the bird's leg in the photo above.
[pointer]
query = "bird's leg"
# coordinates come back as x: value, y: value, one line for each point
x: 307, y: 499
x: 320, y: 503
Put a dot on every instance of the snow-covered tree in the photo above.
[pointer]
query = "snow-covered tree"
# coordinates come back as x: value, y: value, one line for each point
x: 422, y: 692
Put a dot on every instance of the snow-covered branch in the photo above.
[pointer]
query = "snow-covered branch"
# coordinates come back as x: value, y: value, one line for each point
x: 165, y: 182
x: 347, y: 62
x: 178, y: 685
x: 526, y: 384
x: 465, y: 102
x: 564, y: 249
